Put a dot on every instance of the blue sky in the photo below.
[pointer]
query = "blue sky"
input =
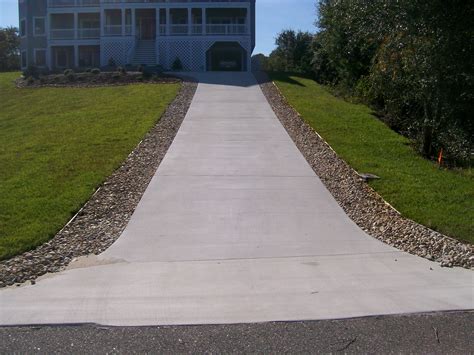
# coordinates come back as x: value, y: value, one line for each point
x: 272, y: 17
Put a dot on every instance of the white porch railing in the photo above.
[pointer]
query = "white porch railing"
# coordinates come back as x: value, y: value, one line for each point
x: 88, y: 33
x: 196, y: 29
x: 226, y: 30
x: 113, y: 30
x: 179, y: 30
x: 162, y: 30
x: 70, y: 33
x: 73, y: 3
x: 62, y: 33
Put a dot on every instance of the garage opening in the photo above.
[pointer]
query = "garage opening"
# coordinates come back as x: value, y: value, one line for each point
x: 226, y: 56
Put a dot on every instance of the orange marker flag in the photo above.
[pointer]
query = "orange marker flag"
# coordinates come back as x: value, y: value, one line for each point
x: 440, y: 157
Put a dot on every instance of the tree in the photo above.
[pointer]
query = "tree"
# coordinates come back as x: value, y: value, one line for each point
x: 410, y: 58
x: 293, y: 52
x: 9, y: 49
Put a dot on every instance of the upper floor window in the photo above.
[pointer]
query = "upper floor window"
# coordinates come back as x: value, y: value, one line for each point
x: 23, y: 28
x: 39, y: 26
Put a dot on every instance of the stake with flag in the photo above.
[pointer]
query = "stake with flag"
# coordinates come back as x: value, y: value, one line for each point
x: 440, y: 157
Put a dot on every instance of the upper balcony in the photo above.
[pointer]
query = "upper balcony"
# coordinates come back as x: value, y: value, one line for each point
x: 96, y: 3
x: 151, y: 23
x: 75, y: 26
x: 73, y: 3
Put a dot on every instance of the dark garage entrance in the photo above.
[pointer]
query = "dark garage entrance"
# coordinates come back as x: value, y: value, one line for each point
x: 226, y: 56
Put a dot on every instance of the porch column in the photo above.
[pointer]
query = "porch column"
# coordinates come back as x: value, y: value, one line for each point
x: 76, y: 27
x: 158, y: 24
x: 49, y: 60
x: 76, y: 56
x: 247, y: 21
x: 168, y: 20
x: 204, y: 21
x: 123, y: 21
x: 134, y: 23
x: 48, y: 27
x: 102, y: 22
x: 190, y: 20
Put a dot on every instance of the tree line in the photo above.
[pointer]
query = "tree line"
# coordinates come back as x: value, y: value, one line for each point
x: 9, y: 49
x: 411, y: 60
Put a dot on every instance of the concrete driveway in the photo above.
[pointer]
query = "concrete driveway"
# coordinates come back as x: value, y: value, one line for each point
x: 236, y: 227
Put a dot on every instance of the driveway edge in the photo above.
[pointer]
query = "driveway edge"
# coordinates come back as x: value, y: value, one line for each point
x: 104, y: 217
x: 360, y: 202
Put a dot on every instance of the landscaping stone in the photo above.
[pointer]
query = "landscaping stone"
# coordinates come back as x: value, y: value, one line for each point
x: 362, y: 204
x: 101, y: 221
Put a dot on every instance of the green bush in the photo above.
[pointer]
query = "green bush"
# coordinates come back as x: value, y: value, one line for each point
x: 71, y: 76
x: 95, y: 71
x: 177, y: 65
x: 147, y: 74
x: 31, y: 72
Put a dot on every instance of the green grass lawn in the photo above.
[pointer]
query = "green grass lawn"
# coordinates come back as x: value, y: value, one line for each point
x: 57, y: 145
x: 440, y: 199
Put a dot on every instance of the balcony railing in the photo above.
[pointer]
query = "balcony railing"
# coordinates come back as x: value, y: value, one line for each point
x: 116, y: 30
x: 162, y: 30
x: 179, y: 30
x: 113, y: 30
x: 62, y: 33
x: 70, y: 33
x: 88, y: 33
x: 197, y: 29
x: 172, y: 1
x: 73, y: 3
x: 95, y: 3
x: 174, y: 30
x: 226, y: 30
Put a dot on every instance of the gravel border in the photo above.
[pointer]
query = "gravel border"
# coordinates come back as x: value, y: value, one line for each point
x: 102, y: 220
x: 361, y: 203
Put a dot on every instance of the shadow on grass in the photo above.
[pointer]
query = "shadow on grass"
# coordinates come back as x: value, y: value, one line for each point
x: 286, y: 77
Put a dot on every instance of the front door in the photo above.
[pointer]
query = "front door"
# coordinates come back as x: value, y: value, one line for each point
x: 146, y: 28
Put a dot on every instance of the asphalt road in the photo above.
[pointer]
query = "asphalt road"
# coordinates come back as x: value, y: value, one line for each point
x: 437, y: 333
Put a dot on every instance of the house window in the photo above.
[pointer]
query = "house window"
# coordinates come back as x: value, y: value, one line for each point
x: 23, y: 59
x: 40, y: 57
x: 23, y: 28
x: 39, y: 26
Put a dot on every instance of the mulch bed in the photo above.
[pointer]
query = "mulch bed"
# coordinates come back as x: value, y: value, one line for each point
x: 86, y: 80
x: 103, y: 219
x: 362, y: 204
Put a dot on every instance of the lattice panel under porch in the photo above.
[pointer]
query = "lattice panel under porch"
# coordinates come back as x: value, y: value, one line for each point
x: 118, y: 50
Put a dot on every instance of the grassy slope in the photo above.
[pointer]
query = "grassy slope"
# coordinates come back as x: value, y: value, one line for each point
x: 58, y: 145
x: 442, y: 200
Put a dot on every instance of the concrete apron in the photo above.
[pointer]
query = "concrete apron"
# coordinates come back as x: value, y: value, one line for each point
x: 236, y: 227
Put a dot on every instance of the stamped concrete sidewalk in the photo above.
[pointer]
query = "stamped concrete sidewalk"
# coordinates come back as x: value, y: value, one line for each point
x: 236, y: 227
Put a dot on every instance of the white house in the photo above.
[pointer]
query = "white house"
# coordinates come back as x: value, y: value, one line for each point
x: 205, y: 35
